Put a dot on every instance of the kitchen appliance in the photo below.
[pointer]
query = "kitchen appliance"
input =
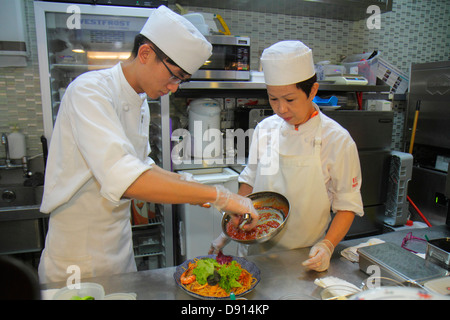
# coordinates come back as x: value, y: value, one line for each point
x: 346, y: 79
x: 429, y: 93
x: 372, y: 133
x: 230, y: 59
x: 199, y: 226
x: 13, y: 46
x: 397, y: 206
x: 265, y: 199
x: 438, y: 252
x: 204, y: 127
x: 247, y: 117
x: 397, y: 263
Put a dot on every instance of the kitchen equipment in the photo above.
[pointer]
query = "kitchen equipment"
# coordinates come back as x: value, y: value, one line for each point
x: 428, y: 136
x: 397, y: 263
x: 204, y: 127
x: 400, y: 171
x: 247, y: 117
x: 230, y: 59
x: 199, y: 226
x: 267, y: 199
x: 372, y: 133
x: 438, y: 252
x: 198, y: 20
x: 440, y: 285
x: 365, y: 65
x: 346, y: 79
x: 16, y: 144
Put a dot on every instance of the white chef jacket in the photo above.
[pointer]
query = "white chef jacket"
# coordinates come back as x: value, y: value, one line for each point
x: 99, y: 147
x: 339, y: 157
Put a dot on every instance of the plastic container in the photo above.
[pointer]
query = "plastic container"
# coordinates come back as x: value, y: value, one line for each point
x: 91, y: 289
x: 361, y: 64
x: 16, y: 144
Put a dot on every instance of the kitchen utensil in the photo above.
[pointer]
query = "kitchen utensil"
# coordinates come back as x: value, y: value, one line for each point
x: 266, y: 199
x: 397, y: 263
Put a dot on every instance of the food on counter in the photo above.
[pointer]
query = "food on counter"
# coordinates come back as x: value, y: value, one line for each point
x: 218, y: 277
x: 269, y: 220
x: 82, y: 298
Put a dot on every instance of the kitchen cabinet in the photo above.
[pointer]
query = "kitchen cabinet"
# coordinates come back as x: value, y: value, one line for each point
x: 103, y: 37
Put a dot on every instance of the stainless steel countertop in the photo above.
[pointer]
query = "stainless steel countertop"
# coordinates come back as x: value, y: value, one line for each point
x: 281, y: 273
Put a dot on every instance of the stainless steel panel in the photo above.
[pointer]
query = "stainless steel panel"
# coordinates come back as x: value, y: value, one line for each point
x: 369, y: 129
x: 430, y: 84
x: 21, y: 236
x: 423, y: 188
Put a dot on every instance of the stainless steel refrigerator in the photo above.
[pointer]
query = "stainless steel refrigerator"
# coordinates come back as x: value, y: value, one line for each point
x: 429, y: 109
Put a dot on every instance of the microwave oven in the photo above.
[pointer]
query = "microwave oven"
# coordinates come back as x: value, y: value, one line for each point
x: 230, y: 59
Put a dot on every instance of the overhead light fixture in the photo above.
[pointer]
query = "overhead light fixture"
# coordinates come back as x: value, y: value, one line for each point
x: 105, y: 55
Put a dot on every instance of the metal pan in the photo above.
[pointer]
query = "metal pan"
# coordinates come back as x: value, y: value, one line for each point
x: 269, y: 201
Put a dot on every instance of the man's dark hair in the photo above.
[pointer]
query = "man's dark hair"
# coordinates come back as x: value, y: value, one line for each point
x: 307, y: 84
x: 140, y: 39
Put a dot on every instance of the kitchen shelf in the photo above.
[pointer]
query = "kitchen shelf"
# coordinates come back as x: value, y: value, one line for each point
x: 69, y: 66
x: 352, y: 10
x: 251, y: 85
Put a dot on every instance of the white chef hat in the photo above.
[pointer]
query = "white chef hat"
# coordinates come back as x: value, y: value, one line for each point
x: 287, y: 62
x: 178, y: 38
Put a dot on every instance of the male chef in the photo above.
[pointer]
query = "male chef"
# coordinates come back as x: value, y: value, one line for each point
x: 98, y: 156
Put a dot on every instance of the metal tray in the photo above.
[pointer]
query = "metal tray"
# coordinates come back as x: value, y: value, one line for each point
x: 438, y: 252
x: 398, y: 263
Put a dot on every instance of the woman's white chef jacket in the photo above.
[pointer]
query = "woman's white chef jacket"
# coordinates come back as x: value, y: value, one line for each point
x: 99, y: 146
x: 306, y: 167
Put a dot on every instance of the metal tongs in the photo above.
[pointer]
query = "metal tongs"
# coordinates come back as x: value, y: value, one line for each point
x: 246, y: 219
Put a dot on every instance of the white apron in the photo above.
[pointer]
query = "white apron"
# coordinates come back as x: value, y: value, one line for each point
x: 89, y: 233
x: 301, y: 181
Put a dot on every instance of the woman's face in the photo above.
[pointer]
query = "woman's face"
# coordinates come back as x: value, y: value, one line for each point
x: 291, y: 103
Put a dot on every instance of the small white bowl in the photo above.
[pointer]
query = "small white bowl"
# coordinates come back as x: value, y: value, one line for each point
x: 85, y: 289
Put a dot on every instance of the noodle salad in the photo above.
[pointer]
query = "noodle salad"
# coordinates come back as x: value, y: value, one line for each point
x: 216, y: 278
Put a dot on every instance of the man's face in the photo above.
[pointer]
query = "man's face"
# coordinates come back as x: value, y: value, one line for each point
x: 157, y: 77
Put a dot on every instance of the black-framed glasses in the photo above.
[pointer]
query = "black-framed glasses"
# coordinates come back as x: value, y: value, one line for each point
x: 174, y: 79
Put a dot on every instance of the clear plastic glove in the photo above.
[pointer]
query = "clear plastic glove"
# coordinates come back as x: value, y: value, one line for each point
x: 218, y: 244
x: 186, y: 176
x: 319, y: 256
x: 228, y: 201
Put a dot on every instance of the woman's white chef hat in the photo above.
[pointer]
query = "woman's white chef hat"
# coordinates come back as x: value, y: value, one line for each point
x: 178, y: 38
x: 287, y: 62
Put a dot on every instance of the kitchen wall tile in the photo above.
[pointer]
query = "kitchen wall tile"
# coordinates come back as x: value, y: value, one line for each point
x: 415, y: 31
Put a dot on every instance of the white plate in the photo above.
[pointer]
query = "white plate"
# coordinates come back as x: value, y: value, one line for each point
x: 397, y: 293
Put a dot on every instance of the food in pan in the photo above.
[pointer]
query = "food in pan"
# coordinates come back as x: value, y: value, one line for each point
x: 269, y: 220
x: 216, y: 278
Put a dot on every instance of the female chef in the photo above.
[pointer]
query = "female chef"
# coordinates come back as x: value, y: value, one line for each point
x: 98, y: 156
x: 304, y: 155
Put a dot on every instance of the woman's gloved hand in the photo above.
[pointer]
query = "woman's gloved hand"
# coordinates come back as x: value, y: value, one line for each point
x: 228, y: 201
x: 319, y: 256
x: 218, y: 244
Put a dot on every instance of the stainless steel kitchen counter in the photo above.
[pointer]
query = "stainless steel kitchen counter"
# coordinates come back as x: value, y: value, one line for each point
x: 281, y: 274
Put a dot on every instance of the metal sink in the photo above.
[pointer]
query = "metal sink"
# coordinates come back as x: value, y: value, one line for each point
x: 19, y: 195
